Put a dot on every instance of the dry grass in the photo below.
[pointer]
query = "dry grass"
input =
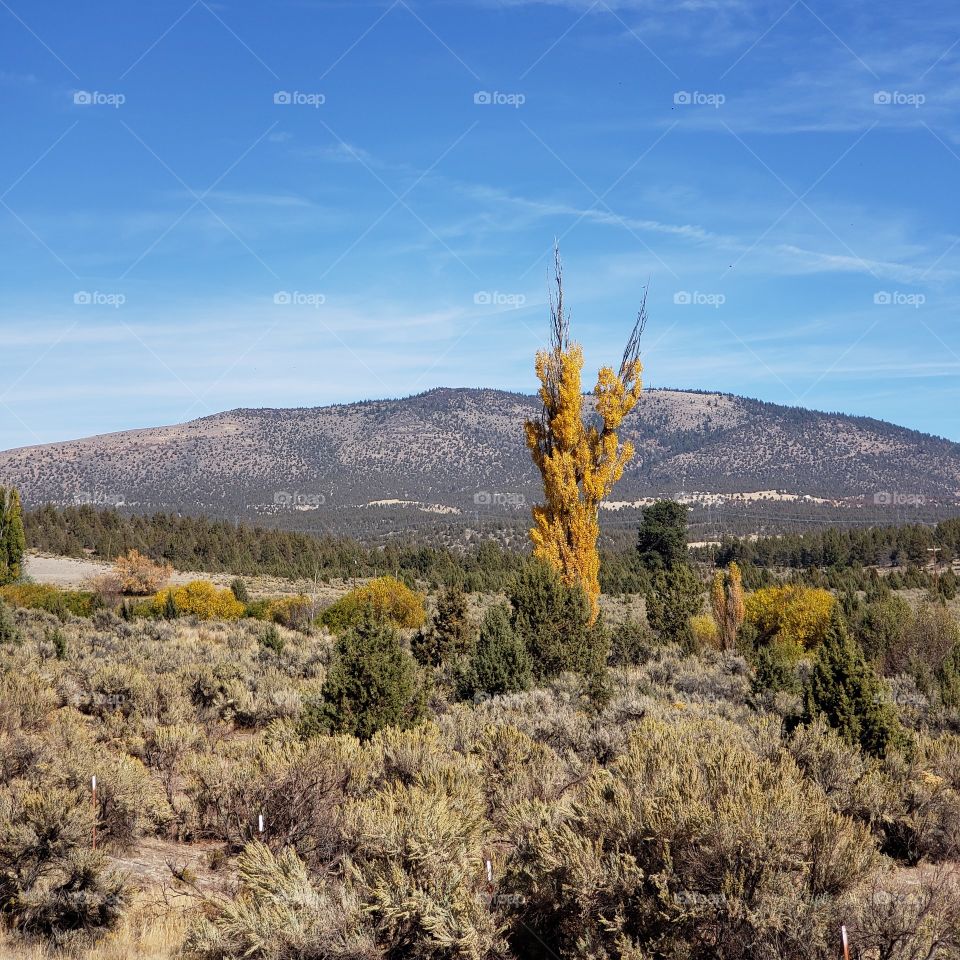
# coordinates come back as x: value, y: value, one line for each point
x: 144, y: 934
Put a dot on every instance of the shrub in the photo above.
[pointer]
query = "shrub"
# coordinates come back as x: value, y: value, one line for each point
x: 272, y: 640
x: 386, y: 598
x: 845, y: 691
x: 499, y: 663
x: 797, y: 617
x: 553, y: 621
x: 676, y: 595
x: 8, y: 629
x: 239, y: 589
x: 294, y: 613
x: 450, y: 635
x: 44, y: 596
x: 706, y: 633
x: 372, y: 682
x: 49, y: 882
x: 200, y: 598
x: 107, y: 588
x: 693, y: 843
x: 139, y: 575
x: 631, y: 643
x: 278, y: 914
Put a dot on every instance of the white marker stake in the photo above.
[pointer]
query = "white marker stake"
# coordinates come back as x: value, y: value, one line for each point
x: 260, y: 823
x: 93, y: 791
x: 846, y: 945
x: 489, y: 872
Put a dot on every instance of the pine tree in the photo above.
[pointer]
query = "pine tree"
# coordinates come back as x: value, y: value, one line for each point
x: 553, y: 621
x: 662, y: 537
x: 675, y: 595
x: 579, y: 464
x: 447, y: 639
x: 372, y: 683
x: 12, y: 539
x: 500, y: 662
x: 845, y: 691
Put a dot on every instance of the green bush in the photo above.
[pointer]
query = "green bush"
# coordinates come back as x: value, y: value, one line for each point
x: 675, y: 596
x: 372, y: 682
x: 8, y: 628
x: 449, y: 637
x: 499, y: 663
x: 553, y: 621
x: 845, y: 691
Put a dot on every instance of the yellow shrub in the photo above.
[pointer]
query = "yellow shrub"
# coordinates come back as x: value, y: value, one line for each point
x: 140, y: 575
x: 795, y: 616
x: 385, y: 597
x: 202, y: 599
x: 705, y: 630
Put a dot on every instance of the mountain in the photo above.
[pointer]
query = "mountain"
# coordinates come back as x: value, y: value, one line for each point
x: 450, y: 454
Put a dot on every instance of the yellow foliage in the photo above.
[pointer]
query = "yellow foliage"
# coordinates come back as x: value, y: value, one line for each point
x: 140, y: 575
x: 202, y: 599
x: 386, y: 597
x: 726, y: 598
x: 705, y: 630
x: 579, y: 464
x: 795, y: 616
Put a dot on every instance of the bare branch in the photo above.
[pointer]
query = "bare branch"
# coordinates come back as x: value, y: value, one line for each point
x: 631, y: 353
x: 559, y: 322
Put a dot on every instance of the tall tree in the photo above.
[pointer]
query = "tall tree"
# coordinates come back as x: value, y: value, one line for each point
x: 579, y: 463
x: 12, y: 540
x: 662, y: 538
x: 726, y: 598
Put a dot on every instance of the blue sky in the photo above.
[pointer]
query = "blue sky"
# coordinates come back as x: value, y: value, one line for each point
x: 213, y: 205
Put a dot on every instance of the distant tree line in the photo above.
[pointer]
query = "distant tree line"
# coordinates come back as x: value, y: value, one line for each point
x: 901, y: 546
x: 219, y: 546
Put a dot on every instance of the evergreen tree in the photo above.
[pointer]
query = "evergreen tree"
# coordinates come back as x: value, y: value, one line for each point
x: 448, y: 638
x: 675, y: 595
x: 499, y: 662
x: 846, y: 692
x: 12, y: 539
x: 662, y: 538
x: 553, y: 621
x: 372, y: 682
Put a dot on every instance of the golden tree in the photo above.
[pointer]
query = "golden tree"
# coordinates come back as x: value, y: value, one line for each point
x: 726, y: 598
x: 579, y: 461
